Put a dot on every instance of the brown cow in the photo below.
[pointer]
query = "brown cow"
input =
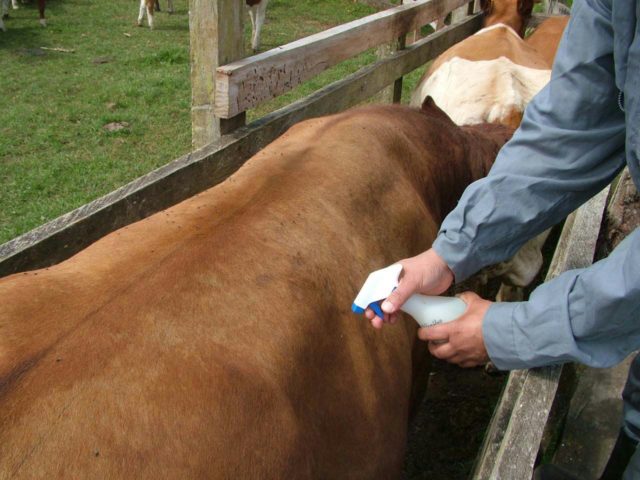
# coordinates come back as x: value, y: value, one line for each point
x: 215, y: 339
x: 546, y: 37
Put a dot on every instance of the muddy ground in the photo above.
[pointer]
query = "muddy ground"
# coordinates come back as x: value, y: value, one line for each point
x: 448, y: 430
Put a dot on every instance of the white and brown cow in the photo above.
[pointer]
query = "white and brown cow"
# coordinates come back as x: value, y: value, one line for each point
x: 215, y: 339
x: 257, y: 13
x: 491, y: 77
x: 149, y: 7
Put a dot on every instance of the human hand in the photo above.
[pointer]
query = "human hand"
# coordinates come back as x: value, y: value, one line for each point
x: 460, y: 341
x: 426, y: 273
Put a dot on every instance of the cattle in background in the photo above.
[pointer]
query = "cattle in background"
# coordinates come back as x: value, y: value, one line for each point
x: 491, y: 77
x: 5, y: 12
x: 257, y: 13
x: 215, y: 339
x: 522, y: 269
x: 455, y: 16
x: 546, y: 37
x: 148, y: 7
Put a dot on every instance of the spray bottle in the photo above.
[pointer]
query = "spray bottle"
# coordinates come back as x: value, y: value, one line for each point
x: 426, y: 310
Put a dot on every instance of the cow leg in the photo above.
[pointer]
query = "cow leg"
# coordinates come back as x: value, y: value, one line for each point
x: 259, y: 12
x: 170, y: 6
x: 458, y: 15
x: 510, y: 293
x: 413, y: 37
x: 150, y: 6
x: 141, y: 13
x: 438, y: 24
x: 14, y: 3
x: 252, y: 16
x: 2, y: 27
x: 5, y: 9
x: 41, y: 5
x: 522, y: 269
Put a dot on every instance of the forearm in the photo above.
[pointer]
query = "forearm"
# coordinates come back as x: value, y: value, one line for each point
x: 570, y: 144
x: 589, y: 315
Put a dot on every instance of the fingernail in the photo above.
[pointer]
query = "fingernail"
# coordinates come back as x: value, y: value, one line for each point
x: 387, y: 306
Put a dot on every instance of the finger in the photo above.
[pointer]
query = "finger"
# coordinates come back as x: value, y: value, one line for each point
x: 370, y: 315
x: 468, y: 364
x: 468, y: 297
x: 458, y: 358
x: 376, y: 322
x: 443, y: 351
x: 434, y: 333
x: 397, y: 298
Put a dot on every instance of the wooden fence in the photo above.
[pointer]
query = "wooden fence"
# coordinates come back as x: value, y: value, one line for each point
x: 217, y: 159
x: 225, y: 85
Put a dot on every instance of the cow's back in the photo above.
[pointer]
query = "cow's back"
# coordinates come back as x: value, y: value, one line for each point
x: 214, y: 339
x: 545, y: 39
x: 488, y: 77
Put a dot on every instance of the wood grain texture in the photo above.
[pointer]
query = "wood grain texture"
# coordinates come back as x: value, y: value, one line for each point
x: 511, y: 445
x: 216, y: 38
x: 243, y: 84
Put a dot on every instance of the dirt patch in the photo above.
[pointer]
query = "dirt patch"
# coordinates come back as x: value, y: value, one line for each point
x: 623, y: 215
x: 448, y: 430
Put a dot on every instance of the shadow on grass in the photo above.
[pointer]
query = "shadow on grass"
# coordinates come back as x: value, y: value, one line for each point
x: 24, y: 40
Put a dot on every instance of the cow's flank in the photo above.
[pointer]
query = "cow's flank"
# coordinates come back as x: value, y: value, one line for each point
x: 215, y: 339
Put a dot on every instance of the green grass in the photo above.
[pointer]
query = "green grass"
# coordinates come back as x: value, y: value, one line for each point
x: 56, y: 155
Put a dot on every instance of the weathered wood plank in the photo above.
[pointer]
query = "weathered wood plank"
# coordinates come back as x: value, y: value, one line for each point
x: 498, y: 425
x: 216, y: 37
x: 246, y: 83
x: 512, y: 442
x: 195, y: 172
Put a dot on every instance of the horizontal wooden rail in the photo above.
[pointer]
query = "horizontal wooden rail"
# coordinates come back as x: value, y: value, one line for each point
x: 511, y: 445
x: 243, y: 84
x: 193, y: 173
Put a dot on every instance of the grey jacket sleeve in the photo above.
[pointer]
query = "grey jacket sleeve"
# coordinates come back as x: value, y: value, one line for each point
x: 569, y: 146
x: 588, y: 315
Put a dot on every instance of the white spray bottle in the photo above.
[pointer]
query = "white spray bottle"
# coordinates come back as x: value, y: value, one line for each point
x: 426, y: 310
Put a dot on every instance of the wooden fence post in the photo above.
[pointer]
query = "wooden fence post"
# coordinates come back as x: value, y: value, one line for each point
x: 216, y: 37
x: 392, y: 93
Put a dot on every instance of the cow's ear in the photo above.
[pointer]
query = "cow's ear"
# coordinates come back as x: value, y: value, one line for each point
x: 429, y: 107
x: 428, y: 104
x: 525, y: 7
x: 485, y: 6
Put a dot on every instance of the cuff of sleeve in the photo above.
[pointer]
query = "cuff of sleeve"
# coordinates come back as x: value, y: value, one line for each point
x: 459, y: 260
x: 499, y: 336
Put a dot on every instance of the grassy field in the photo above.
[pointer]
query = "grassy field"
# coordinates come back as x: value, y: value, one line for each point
x: 55, y: 152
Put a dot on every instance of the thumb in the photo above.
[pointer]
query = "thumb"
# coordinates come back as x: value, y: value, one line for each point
x: 396, y: 299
